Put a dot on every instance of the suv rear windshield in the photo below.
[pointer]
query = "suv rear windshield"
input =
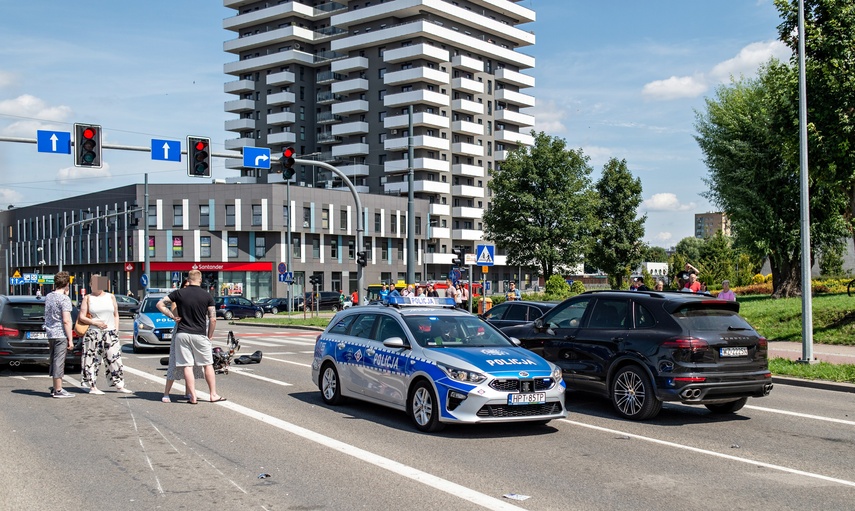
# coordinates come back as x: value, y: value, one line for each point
x: 15, y: 312
x: 710, y: 320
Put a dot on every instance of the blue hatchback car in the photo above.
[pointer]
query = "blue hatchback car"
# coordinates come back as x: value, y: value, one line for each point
x: 152, y: 329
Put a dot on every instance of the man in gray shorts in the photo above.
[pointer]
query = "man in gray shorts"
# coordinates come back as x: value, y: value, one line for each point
x: 197, y: 319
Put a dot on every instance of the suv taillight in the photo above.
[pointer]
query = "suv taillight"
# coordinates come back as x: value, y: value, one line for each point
x: 688, y: 343
x: 762, y: 343
x: 9, y: 332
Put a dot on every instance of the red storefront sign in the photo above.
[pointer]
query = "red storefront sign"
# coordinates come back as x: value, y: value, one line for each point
x: 213, y: 266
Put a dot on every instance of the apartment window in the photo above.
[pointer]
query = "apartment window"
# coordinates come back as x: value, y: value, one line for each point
x: 342, y: 226
x: 307, y: 217
x: 285, y: 215
x: 151, y: 246
x: 334, y: 249
x: 377, y: 220
x: 418, y: 225
x: 204, y: 215
x: 382, y: 116
x: 177, y: 215
x: 256, y: 214
x: 316, y: 248
x: 351, y: 250
x: 178, y: 246
x: 325, y: 218
x: 230, y: 214
x: 205, y: 246
x: 152, y: 216
x: 382, y: 72
x: 393, y: 225
x: 260, y: 247
x: 233, y: 246
x: 381, y: 94
x: 400, y: 250
x: 295, y: 244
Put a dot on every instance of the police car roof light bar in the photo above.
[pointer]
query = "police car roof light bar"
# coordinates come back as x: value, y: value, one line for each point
x: 420, y: 301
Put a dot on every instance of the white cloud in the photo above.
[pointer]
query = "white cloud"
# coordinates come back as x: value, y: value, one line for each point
x: 71, y: 174
x: 676, y: 87
x: 9, y: 197
x: 666, y: 202
x: 745, y: 63
x: 663, y: 236
x: 34, y: 115
x: 7, y: 79
x: 549, y: 117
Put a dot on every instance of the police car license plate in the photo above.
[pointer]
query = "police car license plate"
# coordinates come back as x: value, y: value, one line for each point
x: 534, y: 398
x: 733, y: 351
x: 36, y: 335
x: 167, y: 335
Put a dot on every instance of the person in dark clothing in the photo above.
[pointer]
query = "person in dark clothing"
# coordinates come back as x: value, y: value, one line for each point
x: 197, y: 320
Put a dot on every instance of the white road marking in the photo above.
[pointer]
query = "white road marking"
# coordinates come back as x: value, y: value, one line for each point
x: 288, y: 362
x: 245, y: 372
x: 802, y: 415
x: 419, y: 476
x: 713, y: 453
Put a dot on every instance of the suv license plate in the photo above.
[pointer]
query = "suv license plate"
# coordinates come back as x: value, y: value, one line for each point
x: 733, y: 351
x: 534, y: 398
x: 36, y: 335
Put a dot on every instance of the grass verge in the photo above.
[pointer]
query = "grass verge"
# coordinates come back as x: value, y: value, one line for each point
x: 821, y: 371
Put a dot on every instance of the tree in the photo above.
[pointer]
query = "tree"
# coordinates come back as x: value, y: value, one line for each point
x: 656, y: 255
x: 541, y: 213
x: 718, y: 258
x: 690, y: 249
x: 617, y: 248
x: 749, y: 138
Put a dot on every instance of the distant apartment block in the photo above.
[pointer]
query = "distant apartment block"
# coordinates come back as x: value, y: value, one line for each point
x: 707, y: 224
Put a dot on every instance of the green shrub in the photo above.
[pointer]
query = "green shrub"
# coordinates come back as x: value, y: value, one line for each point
x: 577, y: 288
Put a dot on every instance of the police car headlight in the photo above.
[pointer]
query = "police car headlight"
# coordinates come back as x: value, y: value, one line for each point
x: 557, y: 375
x: 462, y: 374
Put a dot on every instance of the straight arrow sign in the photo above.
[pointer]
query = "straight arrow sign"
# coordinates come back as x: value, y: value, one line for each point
x: 165, y: 150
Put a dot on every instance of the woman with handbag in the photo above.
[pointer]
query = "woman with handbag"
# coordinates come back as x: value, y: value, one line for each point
x: 101, y: 342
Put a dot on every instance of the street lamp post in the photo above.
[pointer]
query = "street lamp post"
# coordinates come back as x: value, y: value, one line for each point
x: 41, y: 251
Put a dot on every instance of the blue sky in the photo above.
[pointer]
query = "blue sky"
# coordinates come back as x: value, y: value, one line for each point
x: 617, y: 79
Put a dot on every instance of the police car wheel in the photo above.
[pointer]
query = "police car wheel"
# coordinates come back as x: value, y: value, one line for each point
x: 135, y: 347
x: 424, y: 408
x: 329, y: 384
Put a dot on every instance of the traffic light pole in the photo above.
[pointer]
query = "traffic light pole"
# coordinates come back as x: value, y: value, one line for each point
x: 360, y: 229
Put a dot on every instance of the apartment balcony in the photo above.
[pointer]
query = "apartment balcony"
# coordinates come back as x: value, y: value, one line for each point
x: 345, y: 150
x: 516, y: 98
x: 469, y: 128
x: 239, y: 87
x: 349, y: 86
x: 355, y: 170
x: 419, y: 142
x: 349, y: 64
x: 327, y: 97
x: 431, y: 164
x: 500, y: 155
x: 467, y: 63
x: 238, y: 143
x: 281, y: 98
x: 271, y: 37
x: 327, y: 137
x: 467, y: 106
x: 419, y: 119
x: 240, y: 125
x: 467, y: 85
x: 281, y: 78
x: 269, y: 14
x: 510, y: 117
x: 467, y: 234
x: 324, y: 77
x: 416, y: 74
x: 462, y: 169
x: 439, y: 209
x: 513, y: 137
x: 514, y: 77
x: 419, y: 186
x: 415, y: 97
x: 264, y: 62
x: 467, y: 149
x: 467, y: 212
x: 327, y: 118
x: 285, y: 137
x: 467, y: 191
x: 239, y: 105
x: 233, y: 163
x: 350, y: 128
x: 350, y: 107
x: 415, y: 52
x: 280, y: 118
x: 436, y: 257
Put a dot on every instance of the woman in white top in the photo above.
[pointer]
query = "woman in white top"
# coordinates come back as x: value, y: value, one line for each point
x: 101, y: 342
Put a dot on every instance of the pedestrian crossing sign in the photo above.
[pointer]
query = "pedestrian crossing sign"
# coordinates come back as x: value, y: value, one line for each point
x: 485, y: 255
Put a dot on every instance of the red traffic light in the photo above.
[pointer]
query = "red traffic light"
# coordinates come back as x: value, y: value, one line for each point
x: 89, y: 133
x: 87, y: 141
x: 201, y: 145
x: 289, y: 152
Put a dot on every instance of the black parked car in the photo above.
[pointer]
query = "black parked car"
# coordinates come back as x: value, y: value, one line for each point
x: 516, y: 313
x: 23, y: 339
x: 327, y: 301
x: 277, y: 305
x: 229, y: 307
x: 128, y: 306
x: 641, y: 348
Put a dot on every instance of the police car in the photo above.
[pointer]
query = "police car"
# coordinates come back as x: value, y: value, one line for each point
x: 152, y: 329
x: 438, y: 364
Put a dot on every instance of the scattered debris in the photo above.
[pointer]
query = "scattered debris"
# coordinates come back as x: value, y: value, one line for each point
x: 734, y: 446
x: 516, y: 496
x: 263, y: 476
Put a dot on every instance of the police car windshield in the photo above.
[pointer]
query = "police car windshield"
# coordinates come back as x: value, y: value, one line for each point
x: 454, y: 332
x: 150, y: 305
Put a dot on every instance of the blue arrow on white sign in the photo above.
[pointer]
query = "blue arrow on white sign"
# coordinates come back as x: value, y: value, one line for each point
x: 53, y: 142
x: 256, y: 157
x: 165, y: 150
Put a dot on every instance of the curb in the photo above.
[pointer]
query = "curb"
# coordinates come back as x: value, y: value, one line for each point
x: 296, y: 327
x: 814, y: 384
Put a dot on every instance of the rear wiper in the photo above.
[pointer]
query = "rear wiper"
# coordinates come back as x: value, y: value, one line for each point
x: 731, y: 328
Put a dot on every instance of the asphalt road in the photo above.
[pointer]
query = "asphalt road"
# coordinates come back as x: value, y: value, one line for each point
x: 275, y: 445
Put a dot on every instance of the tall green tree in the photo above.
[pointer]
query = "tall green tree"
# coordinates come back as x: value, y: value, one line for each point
x: 690, y: 248
x: 617, y: 248
x: 541, y: 212
x: 749, y: 137
x: 718, y: 259
x: 656, y: 255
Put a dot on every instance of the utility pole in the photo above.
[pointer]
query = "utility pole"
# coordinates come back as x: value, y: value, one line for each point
x: 411, y: 206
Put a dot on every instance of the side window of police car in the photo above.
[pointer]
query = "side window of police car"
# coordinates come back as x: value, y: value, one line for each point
x: 389, y: 328
x: 363, y: 325
x: 342, y: 326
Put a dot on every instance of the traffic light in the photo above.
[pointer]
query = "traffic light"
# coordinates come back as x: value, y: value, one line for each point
x: 87, y: 145
x: 459, y: 257
x: 313, y: 280
x: 287, y: 162
x: 362, y: 258
x: 198, y: 157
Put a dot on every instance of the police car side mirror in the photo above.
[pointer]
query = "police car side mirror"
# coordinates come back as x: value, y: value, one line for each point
x: 395, y: 342
x: 516, y: 341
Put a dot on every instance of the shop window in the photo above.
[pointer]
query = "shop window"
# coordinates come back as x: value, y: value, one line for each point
x: 178, y: 246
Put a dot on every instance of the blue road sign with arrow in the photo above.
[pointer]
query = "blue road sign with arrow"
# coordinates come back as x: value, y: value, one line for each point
x: 165, y: 150
x: 256, y: 157
x: 58, y: 142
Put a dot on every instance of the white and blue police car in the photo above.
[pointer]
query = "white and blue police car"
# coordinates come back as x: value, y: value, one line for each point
x: 152, y: 329
x: 439, y: 364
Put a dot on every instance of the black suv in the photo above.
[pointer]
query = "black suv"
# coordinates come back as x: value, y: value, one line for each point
x: 23, y: 339
x: 327, y: 301
x: 641, y: 348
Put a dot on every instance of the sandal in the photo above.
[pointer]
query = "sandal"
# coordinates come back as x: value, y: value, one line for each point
x: 166, y: 399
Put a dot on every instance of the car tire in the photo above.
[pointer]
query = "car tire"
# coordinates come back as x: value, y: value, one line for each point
x: 423, y: 407
x: 730, y: 407
x: 259, y: 314
x: 330, y: 385
x: 334, y: 309
x: 228, y: 315
x: 274, y: 310
x: 135, y: 347
x: 633, y: 396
